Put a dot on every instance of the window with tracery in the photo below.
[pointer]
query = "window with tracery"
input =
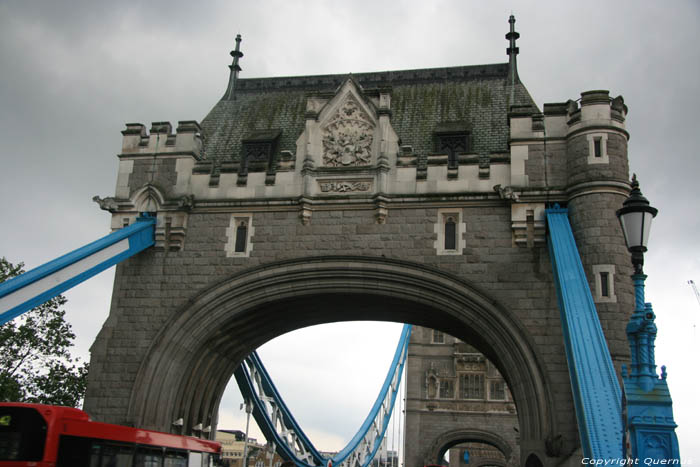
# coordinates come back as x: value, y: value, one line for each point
x: 497, y: 390
x: 472, y: 385
x: 446, y: 389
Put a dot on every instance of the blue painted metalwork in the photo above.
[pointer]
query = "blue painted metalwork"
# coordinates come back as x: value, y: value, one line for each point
x: 272, y: 414
x: 279, y: 426
x: 26, y: 291
x: 596, y: 392
x: 649, y: 423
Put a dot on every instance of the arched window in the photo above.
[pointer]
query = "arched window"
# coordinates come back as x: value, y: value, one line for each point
x: 450, y: 230
x: 533, y: 461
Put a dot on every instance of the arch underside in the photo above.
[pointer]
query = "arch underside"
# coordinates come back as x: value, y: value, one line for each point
x: 455, y: 437
x: 191, y: 361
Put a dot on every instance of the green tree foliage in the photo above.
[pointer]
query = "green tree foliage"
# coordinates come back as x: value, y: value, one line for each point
x: 35, y: 360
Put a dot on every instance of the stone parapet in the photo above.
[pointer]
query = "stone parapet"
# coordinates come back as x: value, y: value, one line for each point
x: 186, y: 141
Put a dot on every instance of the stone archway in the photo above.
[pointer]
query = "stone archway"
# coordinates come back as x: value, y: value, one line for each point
x: 190, y: 362
x: 443, y: 443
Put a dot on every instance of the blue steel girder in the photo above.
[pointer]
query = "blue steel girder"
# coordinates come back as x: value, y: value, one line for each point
x: 279, y: 426
x: 594, y: 384
x: 29, y: 290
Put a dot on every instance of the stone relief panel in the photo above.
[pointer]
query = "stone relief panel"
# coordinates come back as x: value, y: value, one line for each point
x: 344, y: 186
x: 347, y: 138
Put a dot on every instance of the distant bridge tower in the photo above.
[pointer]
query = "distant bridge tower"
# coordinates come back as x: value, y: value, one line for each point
x: 456, y: 396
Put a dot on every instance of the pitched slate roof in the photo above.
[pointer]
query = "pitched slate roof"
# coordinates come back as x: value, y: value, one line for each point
x: 422, y: 102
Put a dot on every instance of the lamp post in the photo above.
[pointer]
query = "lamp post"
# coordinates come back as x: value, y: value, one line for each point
x: 649, y: 424
x: 635, y: 218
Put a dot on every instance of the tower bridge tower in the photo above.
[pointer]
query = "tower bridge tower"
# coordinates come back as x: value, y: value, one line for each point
x: 415, y: 196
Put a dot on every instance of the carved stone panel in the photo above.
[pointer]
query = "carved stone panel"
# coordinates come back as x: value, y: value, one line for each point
x: 344, y: 186
x: 347, y: 138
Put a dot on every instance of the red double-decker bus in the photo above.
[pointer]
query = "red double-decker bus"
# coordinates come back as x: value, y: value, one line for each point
x: 46, y: 435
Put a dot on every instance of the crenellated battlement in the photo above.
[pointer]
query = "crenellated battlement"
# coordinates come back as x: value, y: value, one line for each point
x: 186, y: 140
x: 596, y: 110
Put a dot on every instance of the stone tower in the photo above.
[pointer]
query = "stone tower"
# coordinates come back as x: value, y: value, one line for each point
x: 414, y: 196
x: 455, y: 396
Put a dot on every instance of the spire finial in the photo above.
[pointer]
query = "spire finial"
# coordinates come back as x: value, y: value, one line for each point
x: 235, y: 68
x: 512, y: 36
x: 512, y: 52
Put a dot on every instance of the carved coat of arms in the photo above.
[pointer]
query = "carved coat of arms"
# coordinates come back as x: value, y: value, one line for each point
x: 347, y: 139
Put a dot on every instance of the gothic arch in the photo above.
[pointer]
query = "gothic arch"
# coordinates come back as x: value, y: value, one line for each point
x: 189, y: 364
x: 452, y: 438
x: 148, y: 198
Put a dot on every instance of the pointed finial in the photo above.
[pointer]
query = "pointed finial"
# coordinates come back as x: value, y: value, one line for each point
x: 235, y: 68
x: 236, y: 54
x: 512, y: 36
x: 512, y: 52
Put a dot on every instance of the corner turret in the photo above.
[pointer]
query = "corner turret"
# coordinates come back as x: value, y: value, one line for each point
x: 596, y: 140
x: 596, y: 185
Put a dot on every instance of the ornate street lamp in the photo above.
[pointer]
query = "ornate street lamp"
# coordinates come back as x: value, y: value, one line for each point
x: 649, y: 423
x: 635, y: 217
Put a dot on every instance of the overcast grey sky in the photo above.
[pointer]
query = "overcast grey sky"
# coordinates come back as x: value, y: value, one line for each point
x: 73, y: 73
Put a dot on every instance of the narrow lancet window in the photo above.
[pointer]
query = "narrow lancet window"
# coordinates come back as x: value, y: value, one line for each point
x: 450, y: 234
x: 241, y: 237
x: 597, y: 151
x: 604, y: 288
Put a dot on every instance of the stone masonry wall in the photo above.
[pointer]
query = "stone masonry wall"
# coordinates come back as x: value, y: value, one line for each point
x: 154, y: 285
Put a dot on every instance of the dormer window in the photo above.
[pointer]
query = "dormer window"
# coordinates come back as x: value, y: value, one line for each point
x: 452, y: 138
x: 257, y: 153
x: 453, y: 145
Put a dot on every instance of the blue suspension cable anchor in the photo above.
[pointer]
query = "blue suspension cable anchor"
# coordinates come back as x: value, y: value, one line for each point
x: 29, y: 290
x: 594, y: 386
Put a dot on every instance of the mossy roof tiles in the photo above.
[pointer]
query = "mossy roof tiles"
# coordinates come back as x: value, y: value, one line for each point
x: 422, y: 101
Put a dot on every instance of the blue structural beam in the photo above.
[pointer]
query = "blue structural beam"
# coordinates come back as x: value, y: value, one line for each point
x: 268, y: 426
x: 279, y: 426
x: 29, y: 290
x: 594, y: 384
x: 387, y: 394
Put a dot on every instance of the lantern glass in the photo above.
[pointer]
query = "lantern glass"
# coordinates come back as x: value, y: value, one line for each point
x: 636, y: 227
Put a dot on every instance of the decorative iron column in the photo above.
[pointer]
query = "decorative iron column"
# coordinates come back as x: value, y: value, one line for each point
x: 647, y: 405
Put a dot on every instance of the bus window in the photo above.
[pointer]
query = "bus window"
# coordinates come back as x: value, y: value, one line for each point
x: 73, y: 450
x: 195, y: 459
x: 148, y: 457
x: 22, y: 434
x: 175, y: 459
x: 114, y: 455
